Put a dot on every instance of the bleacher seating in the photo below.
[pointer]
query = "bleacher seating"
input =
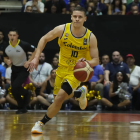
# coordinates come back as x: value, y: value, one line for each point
x: 10, y: 6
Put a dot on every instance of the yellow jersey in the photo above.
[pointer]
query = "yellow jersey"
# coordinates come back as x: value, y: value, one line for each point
x: 73, y: 48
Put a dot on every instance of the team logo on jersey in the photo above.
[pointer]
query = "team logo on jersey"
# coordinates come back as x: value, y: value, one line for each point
x: 66, y: 34
x: 17, y: 50
x: 85, y: 41
x: 73, y: 46
x: 71, y: 62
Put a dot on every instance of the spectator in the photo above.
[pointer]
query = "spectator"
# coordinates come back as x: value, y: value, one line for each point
x: 37, y: 6
x: 12, y: 101
x: 117, y: 100
x: 71, y: 7
x: 37, y: 77
x: 111, y: 69
x: 57, y: 54
x: 53, y: 9
x: 61, y: 6
x: 116, y: 8
x: 100, y: 8
x: 2, y: 43
x: 128, y: 7
x: 134, y: 10
x: 2, y: 70
x: 29, y: 9
x: 91, y: 9
x: 29, y: 55
x: 55, y: 62
x: 8, y: 74
x: 109, y: 2
x: 114, y: 66
x: 47, y: 85
x: 23, y: 4
x: 82, y: 3
x: 134, y: 80
x: 105, y: 60
x: 2, y: 91
x: 96, y: 82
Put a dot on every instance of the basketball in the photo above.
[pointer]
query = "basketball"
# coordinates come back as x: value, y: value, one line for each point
x: 83, y: 71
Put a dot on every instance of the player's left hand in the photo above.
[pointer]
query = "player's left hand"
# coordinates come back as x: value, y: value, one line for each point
x: 81, y: 59
x: 26, y: 64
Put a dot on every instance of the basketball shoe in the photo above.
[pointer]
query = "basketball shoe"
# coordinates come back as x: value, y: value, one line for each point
x: 82, y: 100
x: 37, y: 128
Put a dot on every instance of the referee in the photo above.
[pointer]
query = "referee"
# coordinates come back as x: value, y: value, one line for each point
x: 15, y: 52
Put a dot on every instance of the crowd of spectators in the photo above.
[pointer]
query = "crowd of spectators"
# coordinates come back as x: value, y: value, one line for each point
x: 109, y: 76
x: 93, y: 7
x: 118, y: 83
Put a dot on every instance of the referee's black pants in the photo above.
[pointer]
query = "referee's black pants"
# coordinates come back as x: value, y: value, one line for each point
x: 18, y: 77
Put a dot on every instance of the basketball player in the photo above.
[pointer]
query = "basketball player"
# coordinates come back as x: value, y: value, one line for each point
x: 76, y: 43
x: 15, y: 53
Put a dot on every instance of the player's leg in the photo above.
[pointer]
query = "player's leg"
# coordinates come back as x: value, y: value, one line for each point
x: 80, y: 93
x: 54, y: 108
x: 80, y: 96
x: 60, y: 96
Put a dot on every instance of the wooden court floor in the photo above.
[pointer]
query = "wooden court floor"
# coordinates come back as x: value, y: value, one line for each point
x: 71, y: 126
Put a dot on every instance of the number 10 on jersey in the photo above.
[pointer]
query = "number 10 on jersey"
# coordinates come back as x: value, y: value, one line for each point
x: 74, y: 54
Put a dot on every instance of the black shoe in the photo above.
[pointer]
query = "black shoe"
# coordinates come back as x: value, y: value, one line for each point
x: 21, y: 111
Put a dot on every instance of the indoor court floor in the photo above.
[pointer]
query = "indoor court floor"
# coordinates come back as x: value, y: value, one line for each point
x: 71, y: 125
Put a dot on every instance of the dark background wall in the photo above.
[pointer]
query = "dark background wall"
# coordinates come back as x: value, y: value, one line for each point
x: 121, y: 33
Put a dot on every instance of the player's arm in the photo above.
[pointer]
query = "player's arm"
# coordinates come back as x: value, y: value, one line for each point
x: 56, y: 32
x: 32, y: 56
x: 93, y: 51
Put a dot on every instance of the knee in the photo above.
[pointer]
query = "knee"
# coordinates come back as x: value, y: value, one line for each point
x: 7, y: 97
x: 39, y: 97
x: 99, y: 86
x: 59, y: 99
x: 128, y: 102
x: 103, y: 100
x: 35, y: 99
x: 3, y: 100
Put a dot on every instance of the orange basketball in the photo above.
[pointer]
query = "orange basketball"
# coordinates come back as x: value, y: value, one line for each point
x: 83, y: 71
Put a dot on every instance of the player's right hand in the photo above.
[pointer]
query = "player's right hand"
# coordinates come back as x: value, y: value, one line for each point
x: 33, y: 65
